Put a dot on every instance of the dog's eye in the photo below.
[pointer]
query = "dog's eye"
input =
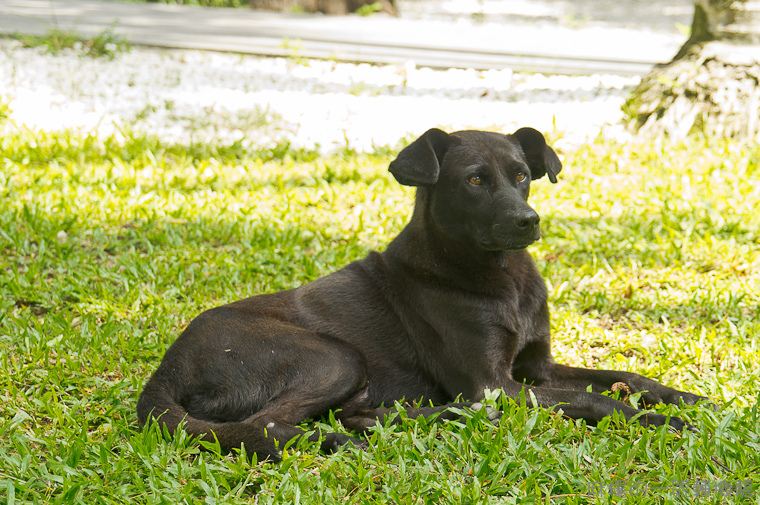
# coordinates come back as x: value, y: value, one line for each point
x: 476, y: 180
x: 521, y: 176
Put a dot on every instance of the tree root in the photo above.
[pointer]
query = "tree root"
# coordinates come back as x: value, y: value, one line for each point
x: 714, y: 89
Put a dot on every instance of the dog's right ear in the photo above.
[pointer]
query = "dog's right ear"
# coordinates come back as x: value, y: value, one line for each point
x: 419, y: 163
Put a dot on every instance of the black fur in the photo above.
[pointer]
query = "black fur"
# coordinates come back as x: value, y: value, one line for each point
x: 454, y: 305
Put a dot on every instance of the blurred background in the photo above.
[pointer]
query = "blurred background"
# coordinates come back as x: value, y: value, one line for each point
x: 378, y: 72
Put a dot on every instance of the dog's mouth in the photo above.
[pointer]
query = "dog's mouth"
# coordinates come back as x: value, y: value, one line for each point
x: 511, y: 245
x: 510, y: 241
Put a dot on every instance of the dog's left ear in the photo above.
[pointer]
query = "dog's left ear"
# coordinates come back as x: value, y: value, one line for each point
x: 419, y: 163
x: 540, y: 157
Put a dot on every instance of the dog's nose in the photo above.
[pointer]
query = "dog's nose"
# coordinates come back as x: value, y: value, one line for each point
x: 527, y: 220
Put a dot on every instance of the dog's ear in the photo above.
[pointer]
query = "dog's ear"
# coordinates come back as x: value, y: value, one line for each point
x: 419, y: 163
x: 540, y: 157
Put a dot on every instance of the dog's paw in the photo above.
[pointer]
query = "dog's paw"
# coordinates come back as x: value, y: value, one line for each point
x: 679, y: 425
x: 492, y: 415
x: 692, y: 399
x: 272, y: 455
x: 675, y: 424
x: 334, y: 442
x: 675, y: 397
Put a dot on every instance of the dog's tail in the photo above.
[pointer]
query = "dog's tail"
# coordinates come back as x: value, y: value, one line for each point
x: 158, y: 403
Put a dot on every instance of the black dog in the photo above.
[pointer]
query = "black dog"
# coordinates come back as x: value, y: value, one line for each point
x: 454, y: 305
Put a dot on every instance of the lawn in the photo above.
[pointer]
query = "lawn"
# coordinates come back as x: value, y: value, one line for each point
x: 110, y: 246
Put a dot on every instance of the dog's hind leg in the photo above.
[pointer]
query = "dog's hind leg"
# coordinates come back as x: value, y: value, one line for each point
x: 242, y: 395
x: 267, y: 432
x: 331, y: 379
x: 157, y: 404
x: 363, y: 419
x: 278, y: 433
x: 332, y: 375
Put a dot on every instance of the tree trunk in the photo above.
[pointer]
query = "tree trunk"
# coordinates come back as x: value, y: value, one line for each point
x: 338, y: 7
x: 712, y: 84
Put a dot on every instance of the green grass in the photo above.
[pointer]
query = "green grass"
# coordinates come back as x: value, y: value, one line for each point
x: 108, y: 248
x: 103, y: 45
x: 369, y: 9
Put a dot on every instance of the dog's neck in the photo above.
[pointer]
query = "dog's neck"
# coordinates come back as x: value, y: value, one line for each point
x: 424, y: 249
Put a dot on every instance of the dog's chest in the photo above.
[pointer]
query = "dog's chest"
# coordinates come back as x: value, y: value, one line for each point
x: 477, y: 334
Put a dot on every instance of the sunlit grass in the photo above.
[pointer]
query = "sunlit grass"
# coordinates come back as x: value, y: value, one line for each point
x: 106, y: 44
x: 110, y: 246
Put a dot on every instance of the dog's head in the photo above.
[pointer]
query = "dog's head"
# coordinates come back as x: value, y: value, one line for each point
x: 474, y: 185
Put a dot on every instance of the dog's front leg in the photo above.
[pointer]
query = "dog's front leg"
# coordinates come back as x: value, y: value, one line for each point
x: 591, y: 407
x: 652, y: 392
x: 363, y: 420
